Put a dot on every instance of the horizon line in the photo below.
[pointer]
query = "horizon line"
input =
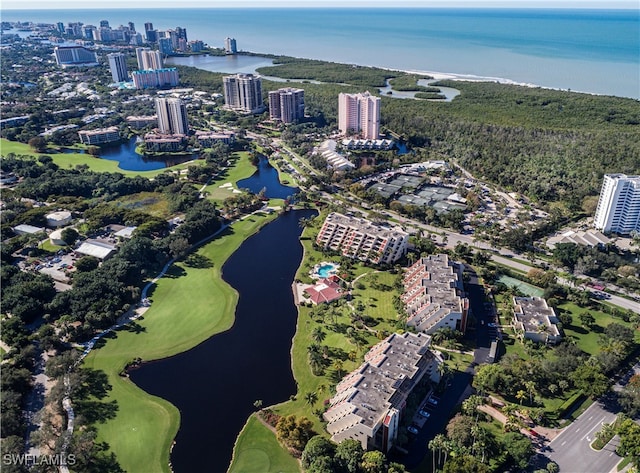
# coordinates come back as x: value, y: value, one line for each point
x: 250, y: 5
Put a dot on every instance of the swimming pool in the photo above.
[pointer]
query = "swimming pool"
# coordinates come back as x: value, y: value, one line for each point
x: 325, y: 270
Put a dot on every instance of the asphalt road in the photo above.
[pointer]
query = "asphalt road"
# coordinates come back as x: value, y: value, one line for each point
x: 572, y: 451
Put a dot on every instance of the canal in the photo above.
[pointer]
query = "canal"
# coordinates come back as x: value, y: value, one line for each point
x: 215, y: 384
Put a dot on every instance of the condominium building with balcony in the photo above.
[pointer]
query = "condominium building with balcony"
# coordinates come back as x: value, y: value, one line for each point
x: 359, y: 114
x: 618, y: 208
x: 434, y: 295
x: 243, y: 93
x: 118, y: 67
x: 172, y: 116
x: 149, y: 59
x: 99, y: 136
x: 361, y: 239
x: 208, y: 138
x: 370, y: 401
x: 155, y: 78
x: 286, y: 105
x: 75, y: 56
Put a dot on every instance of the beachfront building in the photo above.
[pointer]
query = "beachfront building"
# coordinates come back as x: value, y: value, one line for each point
x: 148, y: 59
x: 370, y: 401
x: 230, y: 46
x: 243, y: 93
x: 207, y: 139
x: 535, y: 320
x: 618, y: 208
x: 100, y: 136
x: 155, y: 78
x: 361, y: 239
x: 359, y: 114
x: 434, y: 295
x: 172, y: 116
x: 67, y: 56
x: 286, y: 105
x: 118, y: 67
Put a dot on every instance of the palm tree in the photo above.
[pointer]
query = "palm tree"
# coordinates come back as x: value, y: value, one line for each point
x: 337, y: 364
x: 318, y: 335
x: 311, y: 398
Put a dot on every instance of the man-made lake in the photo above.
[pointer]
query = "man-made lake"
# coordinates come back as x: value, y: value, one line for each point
x: 231, y: 64
x: 129, y: 160
x: 215, y: 384
x: 266, y: 177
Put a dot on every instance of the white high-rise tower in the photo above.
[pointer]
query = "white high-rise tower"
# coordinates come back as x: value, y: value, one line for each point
x: 618, y: 208
x: 359, y: 114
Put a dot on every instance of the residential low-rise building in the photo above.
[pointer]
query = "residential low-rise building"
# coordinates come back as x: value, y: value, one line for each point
x: 535, y: 320
x: 208, y: 138
x: 362, y: 239
x: 354, y: 144
x: 142, y: 121
x: 159, y: 143
x: 434, y: 295
x: 99, y: 136
x: 370, y: 401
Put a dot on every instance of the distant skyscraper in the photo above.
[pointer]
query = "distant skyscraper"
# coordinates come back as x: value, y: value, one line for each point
x: 166, y: 46
x: 286, y: 105
x: 182, y: 33
x: 172, y: 116
x: 148, y: 59
x: 243, y: 93
x: 118, y: 66
x: 150, y: 34
x: 60, y: 27
x: 104, y: 24
x: 132, y: 27
x: 359, y: 114
x: 618, y: 208
x: 230, y: 45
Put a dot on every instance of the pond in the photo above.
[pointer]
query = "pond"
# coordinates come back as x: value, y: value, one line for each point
x: 266, y: 177
x: 215, y: 384
x: 129, y: 160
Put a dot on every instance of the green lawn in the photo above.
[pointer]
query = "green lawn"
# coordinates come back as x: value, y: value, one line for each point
x: 71, y: 160
x: 141, y: 433
x: 241, y: 169
x: 258, y: 451
x: 585, y: 339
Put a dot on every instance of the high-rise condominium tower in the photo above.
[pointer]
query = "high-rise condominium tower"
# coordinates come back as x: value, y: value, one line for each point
x: 359, y: 114
x: 618, y: 208
x: 230, y: 45
x: 172, y: 116
x: 243, y: 93
x: 148, y: 59
x: 286, y: 105
x: 118, y: 66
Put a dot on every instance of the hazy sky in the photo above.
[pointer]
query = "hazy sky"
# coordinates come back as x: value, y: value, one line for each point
x: 84, y: 4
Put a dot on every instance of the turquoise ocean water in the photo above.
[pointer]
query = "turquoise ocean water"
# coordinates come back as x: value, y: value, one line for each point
x: 596, y: 51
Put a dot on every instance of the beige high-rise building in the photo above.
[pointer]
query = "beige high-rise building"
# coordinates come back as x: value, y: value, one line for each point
x: 172, y: 116
x: 286, y: 105
x: 148, y: 59
x: 359, y: 114
x: 243, y: 93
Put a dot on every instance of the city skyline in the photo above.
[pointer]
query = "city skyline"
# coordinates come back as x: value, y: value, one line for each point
x: 123, y: 4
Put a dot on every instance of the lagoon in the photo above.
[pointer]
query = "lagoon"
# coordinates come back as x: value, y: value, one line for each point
x: 129, y: 160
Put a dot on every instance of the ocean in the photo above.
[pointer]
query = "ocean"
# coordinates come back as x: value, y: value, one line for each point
x: 594, y: 51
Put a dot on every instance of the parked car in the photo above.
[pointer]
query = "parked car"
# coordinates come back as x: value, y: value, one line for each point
x: 424, y: 413
x: 433, y: 401
x: 413, y: 429
x: 492, y: 325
